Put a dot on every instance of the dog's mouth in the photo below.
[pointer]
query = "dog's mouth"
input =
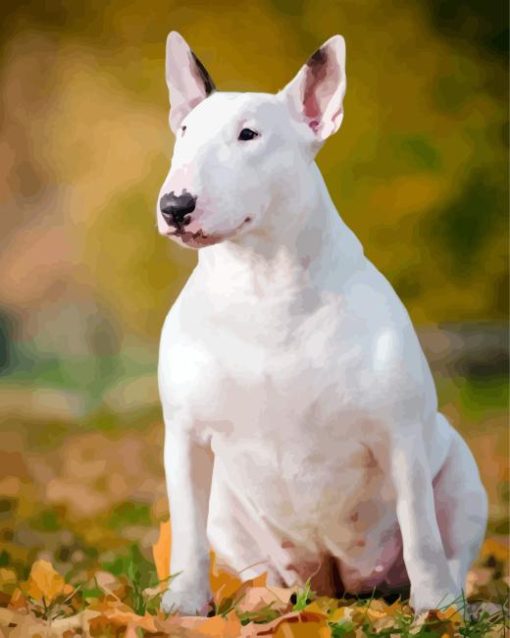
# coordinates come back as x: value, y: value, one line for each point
x: 199, y: 238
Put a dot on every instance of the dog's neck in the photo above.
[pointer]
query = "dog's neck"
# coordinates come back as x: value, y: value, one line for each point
x: 303, y: 240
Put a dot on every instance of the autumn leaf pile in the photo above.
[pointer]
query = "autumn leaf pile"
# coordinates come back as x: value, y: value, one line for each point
x: 104, y: 604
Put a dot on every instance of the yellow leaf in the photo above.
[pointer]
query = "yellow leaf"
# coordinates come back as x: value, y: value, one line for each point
x: 451, y: 614
x: 45, y: 583
x: 346, y: 612
x: 376, y: 610
x: 161, y: 551
x: 8, y: 580
x: 496, y: 547
x: 314, y: 608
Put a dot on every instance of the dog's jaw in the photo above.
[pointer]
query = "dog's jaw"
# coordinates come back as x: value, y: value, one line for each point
x: 200, y: 239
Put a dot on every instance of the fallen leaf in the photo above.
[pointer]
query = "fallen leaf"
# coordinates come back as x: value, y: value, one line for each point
x: 223, y: 584
x: 44, y: 584
x: 497, y: 547
x: 23, y: 625
x: 257, y: 598
x: 118, y: 614
x: 303, y: 630
x: 220, y: 627
x: 316, y: 620
x: 442, y: 623
x: 18, y: 600
x: 161, y: 551
x: 197, y: 626
x: 8, y: 579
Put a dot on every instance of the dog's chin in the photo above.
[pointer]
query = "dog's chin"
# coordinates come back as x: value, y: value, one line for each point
x: 198, y: 239
x: 201, y: 239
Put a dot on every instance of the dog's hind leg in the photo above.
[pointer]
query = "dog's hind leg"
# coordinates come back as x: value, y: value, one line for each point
x: 461, y: 506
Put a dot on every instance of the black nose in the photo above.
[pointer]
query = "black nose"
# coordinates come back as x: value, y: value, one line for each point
x: 174, y: 207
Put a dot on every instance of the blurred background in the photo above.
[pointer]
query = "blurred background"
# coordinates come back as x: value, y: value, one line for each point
x: 419, y: 170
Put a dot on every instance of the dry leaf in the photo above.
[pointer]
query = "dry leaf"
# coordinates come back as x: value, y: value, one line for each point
x: 8, y: 579
x: 443, y: 623
x: 229, y: 627
x: 44, y: 584
x: 314, y: 617
x: 18, y: 600
x: 257, y: 598
x: 161, y: 551
x: 223, y: 584
x: 303, y: 630
x: 497, y: 547
x: 118, y: 614
x: 23, y: 625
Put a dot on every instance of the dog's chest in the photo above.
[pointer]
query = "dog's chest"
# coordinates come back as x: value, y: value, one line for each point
x: 276, y: 365
x: 278, y: 393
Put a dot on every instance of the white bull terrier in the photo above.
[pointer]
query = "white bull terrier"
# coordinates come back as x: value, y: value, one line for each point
x: 302, y: 433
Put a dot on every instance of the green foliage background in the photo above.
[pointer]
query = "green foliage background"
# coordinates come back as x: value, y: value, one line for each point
x: 418, y: 170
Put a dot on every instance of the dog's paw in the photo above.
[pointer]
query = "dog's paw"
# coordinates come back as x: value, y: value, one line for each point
x: 187, y: 603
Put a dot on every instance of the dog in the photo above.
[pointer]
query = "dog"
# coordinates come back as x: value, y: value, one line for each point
x: 302, y: 432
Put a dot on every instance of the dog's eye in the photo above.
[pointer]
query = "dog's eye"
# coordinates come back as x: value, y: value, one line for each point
x: 183, y: 129
x: 247, y: 134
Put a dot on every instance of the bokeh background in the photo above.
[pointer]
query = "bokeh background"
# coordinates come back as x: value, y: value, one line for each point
x: 419, y: 170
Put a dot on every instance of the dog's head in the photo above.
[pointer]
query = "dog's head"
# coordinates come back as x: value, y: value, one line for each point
x: 238, y: 156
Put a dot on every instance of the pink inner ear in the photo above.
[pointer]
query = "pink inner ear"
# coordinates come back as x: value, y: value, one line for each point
x: 317, y: 70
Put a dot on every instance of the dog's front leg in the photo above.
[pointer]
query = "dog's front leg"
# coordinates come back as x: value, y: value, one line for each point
x: 432, y: 585
x: 188, y: 469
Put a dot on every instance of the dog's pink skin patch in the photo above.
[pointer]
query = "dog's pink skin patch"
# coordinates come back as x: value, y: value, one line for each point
x: 180, y: 180
x: 195, y: 225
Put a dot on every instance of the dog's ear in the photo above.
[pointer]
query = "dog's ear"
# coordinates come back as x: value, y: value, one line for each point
x: 187, y: 79
x: 315, y: 96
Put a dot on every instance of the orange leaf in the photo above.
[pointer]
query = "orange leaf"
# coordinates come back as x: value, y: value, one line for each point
x: 302, y: 624
x: 114, y: 612
x: 303, y: 630
x: 497, y: 547
x: 18, y: 600
x: 45, y: 583
x: 219, y: 627
x: 161, y: 551
x: 223, y: 584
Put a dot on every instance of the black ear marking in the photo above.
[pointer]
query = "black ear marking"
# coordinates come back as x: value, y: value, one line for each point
x: 204, y: 76
x: 319, y: 58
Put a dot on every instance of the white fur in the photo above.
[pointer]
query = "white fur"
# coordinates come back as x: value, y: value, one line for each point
x: 301, y: 416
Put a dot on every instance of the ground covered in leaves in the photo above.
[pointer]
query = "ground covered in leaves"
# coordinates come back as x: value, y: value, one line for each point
x: 122, y: 599
x: 84, y: 544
